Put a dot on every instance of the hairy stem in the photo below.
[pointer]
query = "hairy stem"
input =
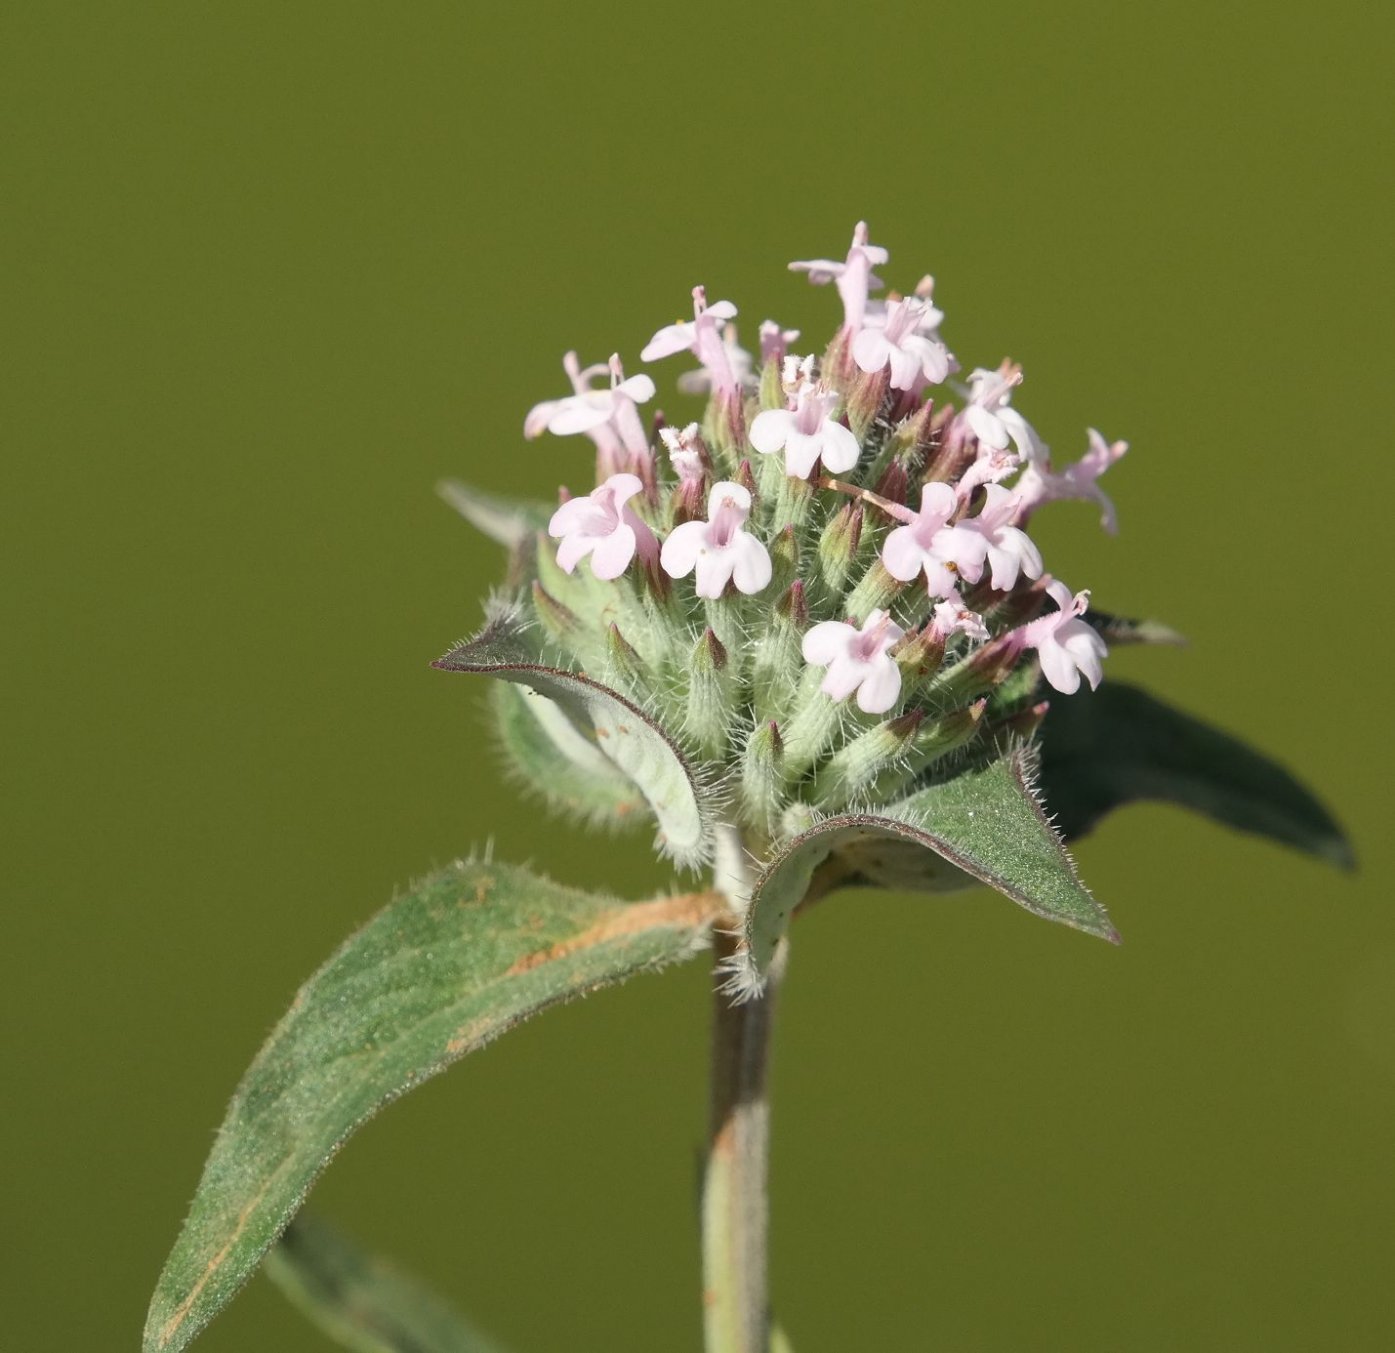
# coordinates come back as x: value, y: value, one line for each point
x: 735, y: 1207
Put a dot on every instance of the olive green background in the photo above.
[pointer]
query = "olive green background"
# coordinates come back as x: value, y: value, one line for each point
x: 271, y: 270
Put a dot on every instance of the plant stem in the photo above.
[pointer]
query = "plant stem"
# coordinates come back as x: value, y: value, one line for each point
x: 735, y: 1207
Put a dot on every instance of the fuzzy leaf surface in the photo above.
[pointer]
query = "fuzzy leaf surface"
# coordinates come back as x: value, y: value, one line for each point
x: 1119, y: 744
x: 630, y: 738
x: 461, y: 958
x: 560, y: 763
x: 363, y: 1302
x: 984, y: 822
x: 509, y: 521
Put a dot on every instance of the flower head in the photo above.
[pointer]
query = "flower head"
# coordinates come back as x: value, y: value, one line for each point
x: 719, y: 550
x: 1011, y: 552
x: 857, y: 660
x: 603, y: 526
x: 989, y: 417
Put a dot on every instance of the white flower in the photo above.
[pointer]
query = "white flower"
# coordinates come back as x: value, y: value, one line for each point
x: 854, y: 275
x: 718, y: 548
x: 702, y: 335
x: 1040, y: 484
x: 857, y: 660
x: 608, y: 416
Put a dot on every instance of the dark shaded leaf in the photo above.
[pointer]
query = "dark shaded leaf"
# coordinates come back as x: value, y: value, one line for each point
x: 1119, y: 744
x: 509, y: 521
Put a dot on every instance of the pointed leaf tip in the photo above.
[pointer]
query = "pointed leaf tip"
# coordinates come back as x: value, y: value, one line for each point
x: 464, y: 956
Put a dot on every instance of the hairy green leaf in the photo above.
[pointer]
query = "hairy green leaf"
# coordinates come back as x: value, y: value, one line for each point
x: 632, y: 739
x: 509, y: 521
x: 984, y: 822
x: 556, y: 760
x: 362, y: 1301
x: 1119, y: 744
x: 458, y: 960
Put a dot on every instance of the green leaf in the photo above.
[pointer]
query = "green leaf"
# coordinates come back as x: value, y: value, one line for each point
x: 628, y: 736
x: 1121, y: 744
x: 510, y: 521
x: 458, y: 960
x: 985, y: 822
x: 363, y: 1302
x: 557, y: 761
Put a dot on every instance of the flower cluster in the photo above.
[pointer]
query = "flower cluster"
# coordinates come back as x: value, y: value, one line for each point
x: 827, y: 585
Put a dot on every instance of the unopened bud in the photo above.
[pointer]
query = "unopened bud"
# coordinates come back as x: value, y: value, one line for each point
x: 932, y: 741
x: 625, y: 669
x: 873, y: 593
x: 856, y: 765
x: 762, y: 776
x: 708, y: 720
x: 838, y: 546
x: 865, y: 400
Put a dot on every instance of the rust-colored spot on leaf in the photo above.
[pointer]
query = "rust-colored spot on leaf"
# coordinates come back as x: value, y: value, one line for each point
x: 687, y: 911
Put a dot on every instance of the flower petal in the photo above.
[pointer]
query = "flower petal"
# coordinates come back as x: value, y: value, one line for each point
x: 769, y: 430
x: 681, y: 549
x: 751, y: 568
x: 881, y: 686
x: 840, y: 448
x: 826, y: 641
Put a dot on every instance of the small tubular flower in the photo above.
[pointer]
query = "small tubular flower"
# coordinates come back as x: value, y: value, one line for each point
x: 914, y: 359
x: 857, y: 660
x: 1040, y: 484
x: 854, y: 275
x: 927, y: 543
x: 719, y: 549
x: 602, y: 526
x: 990, y: 417
x: 1067, y: 646
x: 953, y: 617
x: 1010, y: 551
x: 702, y: 336
x: 807, y: 432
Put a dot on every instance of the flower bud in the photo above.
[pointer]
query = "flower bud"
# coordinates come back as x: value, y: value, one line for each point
x: 708, y: 721
x: 762, y: 777
x: 838, y: 547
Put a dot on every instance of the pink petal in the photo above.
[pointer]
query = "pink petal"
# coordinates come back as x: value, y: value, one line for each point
x: 535, y: 424
x: 714, y: 568
x: 880, y: 687
x: 612, y: 555
x: 871, y: 351
x: 826, y: 641
x: 845, y: 675
x: 801, y: 452
x: 1058, y: 667
x: 681, y: 549
x: 840, y: 448
x: 670, y: 339
x: 902, y: 555
x: 751, y: 568
x: 580, y: 415
x: 769, y: 430
x: 638, y: 388
x: 573, y: 550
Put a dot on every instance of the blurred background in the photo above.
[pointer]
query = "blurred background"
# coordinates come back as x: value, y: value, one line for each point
x: 271, y: 271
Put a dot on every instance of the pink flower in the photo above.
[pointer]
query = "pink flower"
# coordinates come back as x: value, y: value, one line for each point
x: 1039, y: 484
x: 912, y: 357
x: 928, y: 543
x: 741, y: 362
x: 602, y: 526
x: 989, y: 417
x: 702, y: 335
x: 774, y: 341
x: 718, y: 548
x: 857, y: 660
x: 853, y: 276
x: 1066, y: 645
x: 953, y: 617
x: 1010, y: 551
x: 808, y: 431
x: 608, y: 416
x: 931, y: 317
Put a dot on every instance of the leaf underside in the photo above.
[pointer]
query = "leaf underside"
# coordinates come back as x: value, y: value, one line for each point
x: 628, y: 736
x: 361, y: 1301
x: 458, y: 960
x: 984, y: 823
x: 1119, y: 745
